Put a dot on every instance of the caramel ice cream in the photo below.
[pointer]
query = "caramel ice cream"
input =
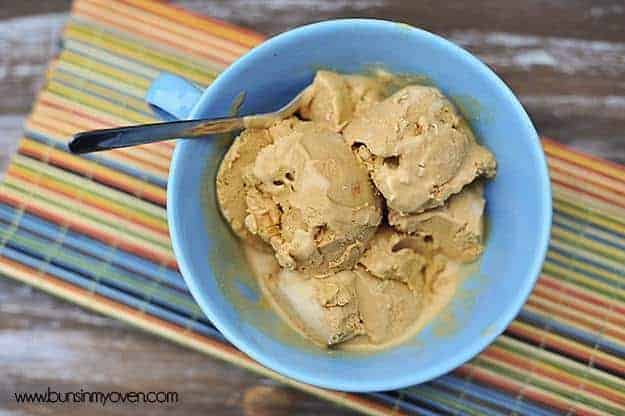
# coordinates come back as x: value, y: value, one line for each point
x: 392, y: 256
x: 312, y: 190
x: 235, y: 168
x: 333, y: 99
x: 418, y: 149
x: 312, y: 201
x: 387, y: 307
x: 456, y: 228
x: 326, y: 310
x: 349, y: 305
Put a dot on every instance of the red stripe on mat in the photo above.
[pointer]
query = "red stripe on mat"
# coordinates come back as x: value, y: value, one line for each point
x: 521, y: 364
x: 567, y: 149
x: 255, y: 37
x: 516, y: 388
x: 224, y: 62
x: 137, y: 219
x: 72, y: 163
x: 107, y: 238
x: 588, y: 193
x: 598, y: 312
x: 580, y: 294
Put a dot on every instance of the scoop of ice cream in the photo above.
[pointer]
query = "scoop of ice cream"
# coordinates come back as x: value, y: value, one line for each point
x: 418, y: 149
x: 327, y: 100
x: 456, y: 227
x: 364, y: 91
x: 389, y: 257
x: 327, y: 207
x: 304, y: 190
x: 264, y: 215
x: 325, y: 309
x: 339, y: 307
x: 383, y: 126
x: 432, y: 167
x: 387, y: 307
x: 333, y: 98
x: 231, y: 186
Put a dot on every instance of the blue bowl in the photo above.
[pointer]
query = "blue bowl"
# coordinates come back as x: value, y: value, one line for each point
x: 518, y: 202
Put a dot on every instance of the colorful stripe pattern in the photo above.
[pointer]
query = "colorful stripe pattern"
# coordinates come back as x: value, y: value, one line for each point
x: 93, y: 229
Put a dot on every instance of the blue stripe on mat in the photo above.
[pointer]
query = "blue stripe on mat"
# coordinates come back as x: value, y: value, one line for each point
x: 587, y: 273
x: 110, y: 293
x: 590, y: 236
x: 95, y: 248
x: 591, y: 339
x: 489, y: 395
x: 402, y: 405
x: 104, y: 161
x: 85, y: 266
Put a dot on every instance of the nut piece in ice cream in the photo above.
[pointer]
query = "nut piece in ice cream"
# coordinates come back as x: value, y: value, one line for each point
x: 333, y: 99
x: 326, y: 205
x: 456, y: 228
x: 418, y: 149
x: 387, y: 307
x: 325, y: 309
x: 234, y: 168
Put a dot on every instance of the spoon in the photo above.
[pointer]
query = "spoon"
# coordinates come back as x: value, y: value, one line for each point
x: 106, y: 139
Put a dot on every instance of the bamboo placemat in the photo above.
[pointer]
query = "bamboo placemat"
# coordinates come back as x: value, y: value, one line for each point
x: 93, y: 229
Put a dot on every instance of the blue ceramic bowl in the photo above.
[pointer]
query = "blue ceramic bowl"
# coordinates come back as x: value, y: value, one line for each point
x: 518, y: 202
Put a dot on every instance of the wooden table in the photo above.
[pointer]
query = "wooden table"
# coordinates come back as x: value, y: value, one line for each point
x: 564, y: 59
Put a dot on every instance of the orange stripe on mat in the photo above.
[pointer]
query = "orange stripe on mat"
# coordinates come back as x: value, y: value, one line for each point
x: 584, y: 160
x: 136, y: 21
x: 574, y: 303
x: 575, y: 319
x: 219, y: 60
x: 208, y: 24
x: 581, y: 294
x: 602, y: 197
x: 125, y: 156
x: 521, y: 364
x: 78, y: 123
x: 91, y: 121
x: 74, y: 224
x: 515, y: 388
x: 94, y: 171
x: 566, y: 346
x: 90, y: 200
x: 586, y: 175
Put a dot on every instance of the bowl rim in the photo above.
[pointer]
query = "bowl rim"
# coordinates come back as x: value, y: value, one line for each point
x: 362, y: 384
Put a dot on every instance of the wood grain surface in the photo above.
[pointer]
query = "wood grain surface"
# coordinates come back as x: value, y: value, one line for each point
x: 564, y: 59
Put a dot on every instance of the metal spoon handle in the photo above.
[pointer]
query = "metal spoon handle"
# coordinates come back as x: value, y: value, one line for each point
x: 96, y: 140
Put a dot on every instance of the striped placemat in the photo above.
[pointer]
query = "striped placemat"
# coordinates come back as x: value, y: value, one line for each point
x: 93, y: 229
